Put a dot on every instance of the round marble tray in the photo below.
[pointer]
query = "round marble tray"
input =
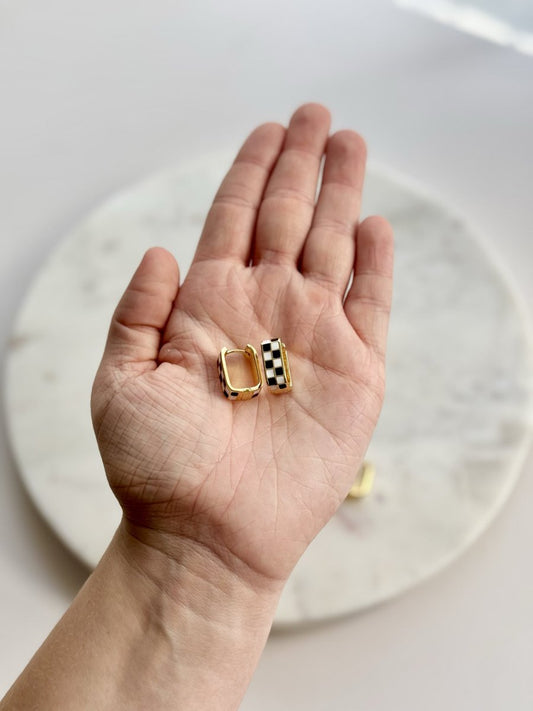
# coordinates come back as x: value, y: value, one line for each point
x: 451, y: 439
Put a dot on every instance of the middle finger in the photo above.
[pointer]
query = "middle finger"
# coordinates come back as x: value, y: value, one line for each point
x: 286, y: 212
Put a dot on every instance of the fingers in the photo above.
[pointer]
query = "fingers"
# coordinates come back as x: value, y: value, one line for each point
x: 230, y: 224
x: 368, y: 302
x: 328, y: 254
x: 289, y: 201
x: 141, y: 315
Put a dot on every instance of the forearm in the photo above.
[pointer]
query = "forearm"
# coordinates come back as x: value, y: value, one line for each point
x: 146, y: 632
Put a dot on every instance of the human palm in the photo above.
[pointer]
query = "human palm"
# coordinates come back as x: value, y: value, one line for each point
x: 252, y: 481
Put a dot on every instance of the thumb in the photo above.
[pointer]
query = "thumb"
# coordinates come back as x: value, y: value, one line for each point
x: 143, y: 311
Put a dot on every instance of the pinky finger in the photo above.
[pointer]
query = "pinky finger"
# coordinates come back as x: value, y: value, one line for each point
x: 367, y: 305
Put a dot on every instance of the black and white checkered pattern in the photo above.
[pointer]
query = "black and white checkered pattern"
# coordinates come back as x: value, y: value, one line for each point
x: 273, y: 364
x: 227, y: 392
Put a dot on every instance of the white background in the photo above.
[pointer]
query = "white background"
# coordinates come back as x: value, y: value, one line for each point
x: 96, y: 95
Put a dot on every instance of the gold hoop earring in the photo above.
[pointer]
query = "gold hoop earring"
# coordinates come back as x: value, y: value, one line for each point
x: 229, y: 390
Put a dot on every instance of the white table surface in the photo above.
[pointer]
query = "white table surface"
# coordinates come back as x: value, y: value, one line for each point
x: 96, y: 95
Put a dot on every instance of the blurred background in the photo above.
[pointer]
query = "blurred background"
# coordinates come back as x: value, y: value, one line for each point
x: 95, y: 96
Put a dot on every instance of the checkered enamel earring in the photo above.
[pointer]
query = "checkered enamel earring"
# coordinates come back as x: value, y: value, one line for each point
x: 229, y: 390
x: 276, y: 366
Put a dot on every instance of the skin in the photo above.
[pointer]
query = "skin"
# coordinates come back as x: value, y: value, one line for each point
x: 221, y: 498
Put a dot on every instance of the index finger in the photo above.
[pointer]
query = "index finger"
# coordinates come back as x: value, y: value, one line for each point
x: 230, y: 223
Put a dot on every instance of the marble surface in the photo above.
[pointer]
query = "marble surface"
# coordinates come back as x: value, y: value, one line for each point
x: 454, y: 428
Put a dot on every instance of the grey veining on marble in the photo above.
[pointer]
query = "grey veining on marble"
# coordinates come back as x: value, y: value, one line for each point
x: 455, y: 426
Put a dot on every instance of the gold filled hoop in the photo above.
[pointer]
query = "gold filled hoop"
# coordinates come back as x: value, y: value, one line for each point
x: 364, y: 481
x: 229, y: 390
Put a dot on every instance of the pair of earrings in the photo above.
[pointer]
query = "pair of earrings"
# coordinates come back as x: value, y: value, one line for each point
x: 275, y: 364
x: 278, y: 378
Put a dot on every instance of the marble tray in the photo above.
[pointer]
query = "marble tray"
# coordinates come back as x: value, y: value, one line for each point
x: 455, y: 425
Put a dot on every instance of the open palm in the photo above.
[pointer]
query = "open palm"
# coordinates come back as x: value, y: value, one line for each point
x: 252, y: 481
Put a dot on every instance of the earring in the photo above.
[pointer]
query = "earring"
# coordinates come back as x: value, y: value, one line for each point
x: 364, y: 482
x: 276, y: 365
x: 229, y: 390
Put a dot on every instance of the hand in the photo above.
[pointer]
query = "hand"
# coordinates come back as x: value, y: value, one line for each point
x: 252, y: 482
x: 221, y: 498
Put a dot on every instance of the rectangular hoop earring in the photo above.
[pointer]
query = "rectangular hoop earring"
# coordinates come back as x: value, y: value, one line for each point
x: 276, y: 365
x: 229, y: 390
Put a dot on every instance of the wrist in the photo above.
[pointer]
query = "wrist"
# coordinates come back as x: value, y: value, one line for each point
x: 148, y: 631
x: 205, y: 624
x: 167, y: 558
